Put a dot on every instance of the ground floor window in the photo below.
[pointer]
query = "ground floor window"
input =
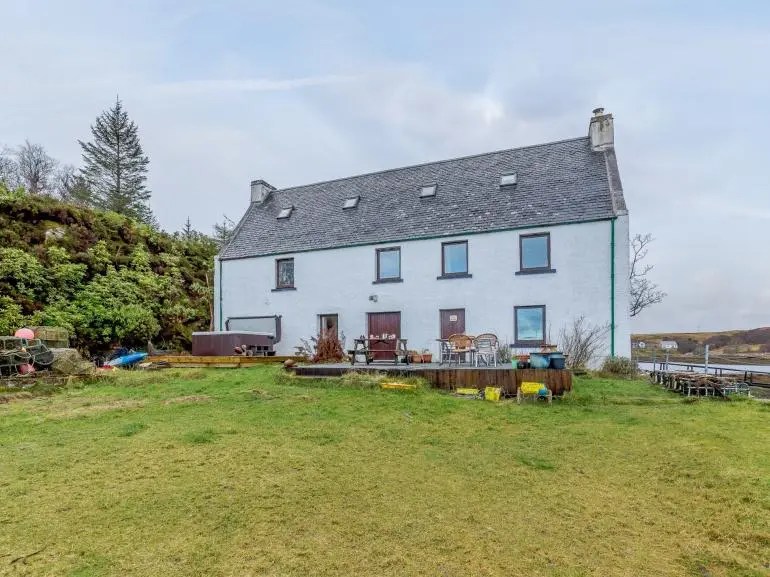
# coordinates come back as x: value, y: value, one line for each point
x: 329, y: 324
x: 529, y: 325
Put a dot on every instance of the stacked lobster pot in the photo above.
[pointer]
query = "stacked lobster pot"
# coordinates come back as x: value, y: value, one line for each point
x: 20, y: 356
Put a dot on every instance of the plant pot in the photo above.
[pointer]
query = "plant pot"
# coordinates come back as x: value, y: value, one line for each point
x: 415, y: 358
x: 557, y: 361
x: 427, y: 358
x: 539, y: 360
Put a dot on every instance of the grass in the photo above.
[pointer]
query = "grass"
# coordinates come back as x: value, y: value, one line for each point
x: 248, y: 472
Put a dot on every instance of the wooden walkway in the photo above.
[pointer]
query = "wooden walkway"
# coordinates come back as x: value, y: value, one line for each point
x: 232, y: 361
x: 450, y: 378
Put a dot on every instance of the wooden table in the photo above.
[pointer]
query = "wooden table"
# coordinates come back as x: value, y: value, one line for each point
x: 363, y: 346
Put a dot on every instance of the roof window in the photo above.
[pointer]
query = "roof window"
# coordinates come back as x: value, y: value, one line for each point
x: 285, y: 212
x: 428, y: 190
x: 351, y: 202
x: 508, y: 179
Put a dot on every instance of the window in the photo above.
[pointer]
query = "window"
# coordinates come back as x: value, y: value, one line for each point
x: 329, y: 324
x: 388, y: 264
x: 454, y: 259
x: 285, y: 212
x: 429, y: 190
x: 508, y: 179
x: 351, y: 202
x: 535, y: 253
x: 284, y: 273
x: 529, y: 325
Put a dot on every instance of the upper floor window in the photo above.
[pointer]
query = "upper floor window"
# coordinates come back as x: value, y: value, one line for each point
x: 388, y: 264
x: 529, y: 325
x: 535, y: 252
x: 284, y: 273
x: 454, y: 259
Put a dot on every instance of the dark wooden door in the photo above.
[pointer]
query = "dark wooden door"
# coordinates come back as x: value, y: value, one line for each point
x: 384, y: 324
x: 452, y: 322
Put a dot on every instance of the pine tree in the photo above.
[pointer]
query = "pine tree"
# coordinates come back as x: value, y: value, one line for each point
x: 223, y: 231
x: 187, y: 230
x: 115, y: 165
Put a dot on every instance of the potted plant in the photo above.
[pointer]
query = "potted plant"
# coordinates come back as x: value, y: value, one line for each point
x: 426, y: 356
x: 414, y: 356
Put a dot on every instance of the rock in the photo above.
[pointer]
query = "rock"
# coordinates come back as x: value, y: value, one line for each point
x: 289, y: 363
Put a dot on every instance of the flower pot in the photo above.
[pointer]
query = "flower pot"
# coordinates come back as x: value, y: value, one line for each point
x: 557, y: 361
x: 427, y: 358
x: 415, y: 358
x: 539, y: 360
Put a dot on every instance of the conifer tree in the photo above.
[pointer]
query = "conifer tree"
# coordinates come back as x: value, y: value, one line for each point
x: 115, y: 165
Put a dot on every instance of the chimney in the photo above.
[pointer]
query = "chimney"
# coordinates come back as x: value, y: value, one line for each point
x: 260, y: 190
x: 601, y: 130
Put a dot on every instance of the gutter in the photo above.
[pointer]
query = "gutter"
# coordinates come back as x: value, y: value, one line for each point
x: 612, y: 287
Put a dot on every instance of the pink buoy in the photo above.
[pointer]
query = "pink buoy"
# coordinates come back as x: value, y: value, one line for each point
x: 26, y: 369
x: 24, y: 333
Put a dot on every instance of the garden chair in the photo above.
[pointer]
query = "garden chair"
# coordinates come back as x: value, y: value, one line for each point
x: 446, y: 352
x: 461, y: 345
x: 486, y: 349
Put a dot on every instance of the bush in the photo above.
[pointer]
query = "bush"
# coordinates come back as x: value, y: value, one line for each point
x: 619, y: 367
x: 581, y: 342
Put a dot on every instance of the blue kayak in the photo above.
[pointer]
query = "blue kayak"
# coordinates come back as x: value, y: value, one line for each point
x: 126, y: 360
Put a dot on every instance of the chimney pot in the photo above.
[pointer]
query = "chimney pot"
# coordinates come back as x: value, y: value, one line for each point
x: 598, y: 111
x: 260, y: 190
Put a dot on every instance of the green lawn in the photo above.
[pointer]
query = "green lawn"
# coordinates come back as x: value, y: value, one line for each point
x: 249, y: 472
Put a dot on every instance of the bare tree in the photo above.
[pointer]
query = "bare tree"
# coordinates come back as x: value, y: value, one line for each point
x: 36, y: 168
x: 72, y: 187
x: 581, y: 342
x: 644, y: 292
x: 9, y: 170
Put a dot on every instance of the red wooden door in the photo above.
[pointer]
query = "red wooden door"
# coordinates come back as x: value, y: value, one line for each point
x: 384, y: 324
x: 452, y: 322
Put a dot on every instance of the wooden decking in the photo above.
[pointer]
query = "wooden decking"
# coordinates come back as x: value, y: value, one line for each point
x: 449, y: 378
x: 231, y: 361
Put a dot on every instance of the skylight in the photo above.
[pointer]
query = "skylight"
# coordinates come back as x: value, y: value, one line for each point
x: 351, y: 202
x: 285, y: 212
x: 429, y: 190
x: 508, y: 179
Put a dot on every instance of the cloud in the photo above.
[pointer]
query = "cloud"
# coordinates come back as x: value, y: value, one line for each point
x: 215, y: 87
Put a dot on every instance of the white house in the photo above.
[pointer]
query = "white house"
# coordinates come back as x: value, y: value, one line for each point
x: 516, y: 242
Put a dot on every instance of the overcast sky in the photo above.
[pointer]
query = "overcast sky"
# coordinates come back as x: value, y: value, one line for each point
x: 301, y: 91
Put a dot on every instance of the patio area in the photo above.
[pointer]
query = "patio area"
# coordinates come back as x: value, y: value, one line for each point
x: 452, y: 377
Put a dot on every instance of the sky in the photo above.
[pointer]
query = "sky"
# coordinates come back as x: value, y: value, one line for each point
x: 300, y: 91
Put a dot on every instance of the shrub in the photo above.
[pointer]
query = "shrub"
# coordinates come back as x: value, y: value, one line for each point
x: 504, y: 354
x: 581, y: 342
x: 619, y: 367
x: 325, y: 348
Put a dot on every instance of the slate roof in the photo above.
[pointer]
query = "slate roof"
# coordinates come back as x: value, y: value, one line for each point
x: 558, y: 183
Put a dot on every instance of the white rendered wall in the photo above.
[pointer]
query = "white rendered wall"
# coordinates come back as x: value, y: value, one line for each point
x: 339, y: 281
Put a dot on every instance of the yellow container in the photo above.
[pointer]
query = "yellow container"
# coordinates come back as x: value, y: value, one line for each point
x: 492, y: 393
x: 398, y: 386
x: 529, y: 388
x: 473, y: 392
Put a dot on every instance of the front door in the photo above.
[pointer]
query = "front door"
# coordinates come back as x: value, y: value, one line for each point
x: 452, y: 322
x: 384, y: 324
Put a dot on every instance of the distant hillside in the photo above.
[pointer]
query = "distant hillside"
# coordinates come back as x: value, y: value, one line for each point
x: 753, y: 341
x: 106, y: 278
